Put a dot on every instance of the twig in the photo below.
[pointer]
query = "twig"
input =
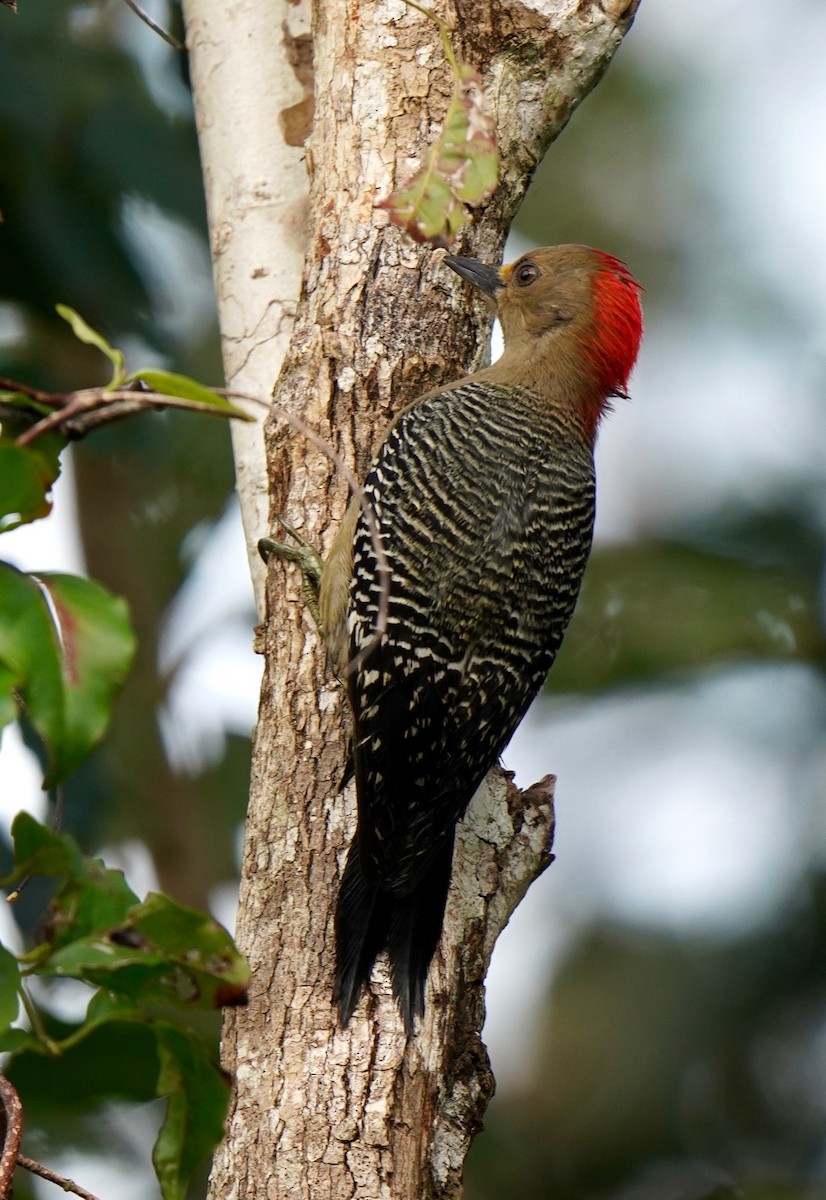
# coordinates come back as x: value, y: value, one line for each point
x: 153, y: 25
x: 78, y: 409
x: 75, y: 404
x: 78, y: 427
x: 59, y: 807
x: 68, y: 1185
x: 14, y: 385
x: 12, y: 1132
x: 36, y: 1021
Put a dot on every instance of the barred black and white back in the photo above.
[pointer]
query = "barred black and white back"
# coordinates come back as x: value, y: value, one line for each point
x: 484, y: 501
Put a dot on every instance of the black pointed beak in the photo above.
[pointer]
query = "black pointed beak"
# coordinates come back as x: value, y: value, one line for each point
x: 487, y: 279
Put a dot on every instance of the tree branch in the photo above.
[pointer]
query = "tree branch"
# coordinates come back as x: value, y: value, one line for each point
x: 68, y: 1185
x: 12, y: 1132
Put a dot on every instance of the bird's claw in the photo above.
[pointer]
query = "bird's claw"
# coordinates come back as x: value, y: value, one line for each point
x: 304, y: 555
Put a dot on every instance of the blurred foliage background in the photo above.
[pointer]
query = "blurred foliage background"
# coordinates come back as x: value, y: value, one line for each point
x: 657, y: 1013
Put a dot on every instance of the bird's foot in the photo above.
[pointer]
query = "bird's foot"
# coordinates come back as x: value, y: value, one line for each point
x: 306, y: 558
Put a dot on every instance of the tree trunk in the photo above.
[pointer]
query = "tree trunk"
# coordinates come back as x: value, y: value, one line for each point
x: 319, y: 1111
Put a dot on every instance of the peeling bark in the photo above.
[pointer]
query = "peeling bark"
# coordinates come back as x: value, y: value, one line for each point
x: 318, y: 1111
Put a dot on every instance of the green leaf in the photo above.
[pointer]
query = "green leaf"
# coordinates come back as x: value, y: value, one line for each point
x: 155, y: 952
x: 85, y: 333
x: 468, y: 157
x: 198, y: 1094
x: 97, y: 1062
x: 161, y: 953
x: 38, y: 850
x: 26, y: 406
x: 196, y: 394
x: 8, y: 707
x: 9, y: 988
x: 461, y: 168
x: 30, y: 655
x: 65, y: 647
x: 103, y: 1008
x: 26, y: 477
x: 14, y: 1040
x: 94, y: 898
x: 97, y: 646
x: 426, y: 207
x: 84, y: 906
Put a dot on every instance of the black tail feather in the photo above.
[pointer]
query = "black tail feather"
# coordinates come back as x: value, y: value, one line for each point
x: 361, y: 934
x: 369, y: 920
x: 415, y: 929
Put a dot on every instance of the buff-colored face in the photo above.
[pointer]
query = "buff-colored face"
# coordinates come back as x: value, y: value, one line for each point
x: 570, y: 295
x: 546, y: 288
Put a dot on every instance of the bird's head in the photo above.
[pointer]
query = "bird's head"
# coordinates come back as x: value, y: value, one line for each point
x: 571, y: 319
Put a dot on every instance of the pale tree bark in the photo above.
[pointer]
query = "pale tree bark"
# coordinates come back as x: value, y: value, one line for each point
x: 320, y: 1112
x: 251, y: 68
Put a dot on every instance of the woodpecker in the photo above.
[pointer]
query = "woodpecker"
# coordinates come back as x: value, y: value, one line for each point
x: 483, y: 498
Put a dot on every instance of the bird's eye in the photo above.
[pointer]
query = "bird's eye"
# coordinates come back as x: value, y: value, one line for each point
x: 525, y: 274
